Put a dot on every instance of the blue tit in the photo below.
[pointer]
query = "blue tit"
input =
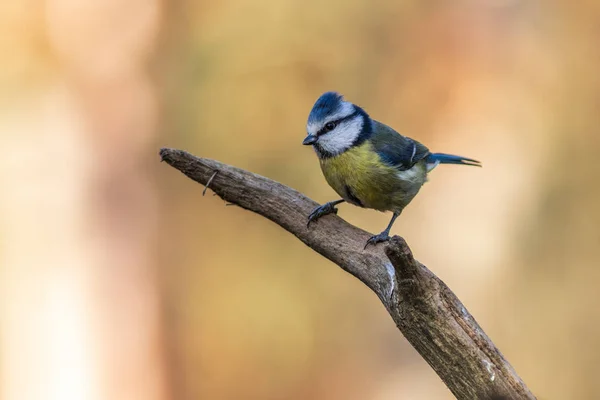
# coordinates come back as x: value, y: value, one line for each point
x: 368, y: 163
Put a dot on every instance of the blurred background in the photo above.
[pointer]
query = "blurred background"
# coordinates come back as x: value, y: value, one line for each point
x: 119, y: 281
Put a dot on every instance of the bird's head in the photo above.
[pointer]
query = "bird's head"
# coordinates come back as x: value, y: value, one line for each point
x: 335, y: 125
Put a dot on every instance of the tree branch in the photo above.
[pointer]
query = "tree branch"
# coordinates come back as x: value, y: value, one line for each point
x: 425, y: 310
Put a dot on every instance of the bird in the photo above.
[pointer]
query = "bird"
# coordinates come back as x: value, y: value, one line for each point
x: 366, y: 162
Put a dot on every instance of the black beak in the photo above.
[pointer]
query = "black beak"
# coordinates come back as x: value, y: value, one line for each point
x: 310, y: 139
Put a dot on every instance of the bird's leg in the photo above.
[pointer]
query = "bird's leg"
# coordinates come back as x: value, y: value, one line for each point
x: 383, y: 236
x: 327, y: 208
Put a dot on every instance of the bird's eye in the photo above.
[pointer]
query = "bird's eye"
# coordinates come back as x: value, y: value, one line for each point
x: 330, y: 126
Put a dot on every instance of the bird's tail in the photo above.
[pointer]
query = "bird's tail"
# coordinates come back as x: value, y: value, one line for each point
x: 434, y: 159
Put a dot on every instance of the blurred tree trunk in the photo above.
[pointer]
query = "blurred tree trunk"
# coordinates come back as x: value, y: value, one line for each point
x: 80, y: 303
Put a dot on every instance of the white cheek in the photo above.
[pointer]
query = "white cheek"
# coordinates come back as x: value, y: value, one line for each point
x: 341, y: 138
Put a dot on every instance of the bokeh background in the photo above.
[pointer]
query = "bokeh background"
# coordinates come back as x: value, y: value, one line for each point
x: 119, y: 281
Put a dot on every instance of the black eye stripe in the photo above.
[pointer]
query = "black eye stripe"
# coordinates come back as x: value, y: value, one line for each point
x: 324, y: 130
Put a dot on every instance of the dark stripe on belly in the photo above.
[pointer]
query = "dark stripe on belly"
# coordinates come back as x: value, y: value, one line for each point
x: 353, y: 199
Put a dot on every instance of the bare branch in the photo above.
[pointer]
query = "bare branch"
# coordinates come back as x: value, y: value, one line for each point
x: 425, y: 310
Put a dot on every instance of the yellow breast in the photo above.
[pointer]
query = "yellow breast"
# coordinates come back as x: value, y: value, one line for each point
x: 361, y: 178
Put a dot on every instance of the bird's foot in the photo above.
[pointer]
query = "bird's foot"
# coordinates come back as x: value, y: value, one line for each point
x: 382, y: 237
x: 327, y: 208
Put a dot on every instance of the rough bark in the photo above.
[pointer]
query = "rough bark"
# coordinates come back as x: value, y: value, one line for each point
x: 425, y: 310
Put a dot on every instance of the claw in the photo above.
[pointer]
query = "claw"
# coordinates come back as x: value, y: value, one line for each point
x: 382, y: 237
x: 321, y: 211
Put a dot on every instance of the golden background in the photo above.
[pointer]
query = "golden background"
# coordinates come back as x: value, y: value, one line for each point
x: 119, y: 281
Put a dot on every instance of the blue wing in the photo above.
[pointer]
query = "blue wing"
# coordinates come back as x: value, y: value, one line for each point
x: 394, y: 149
